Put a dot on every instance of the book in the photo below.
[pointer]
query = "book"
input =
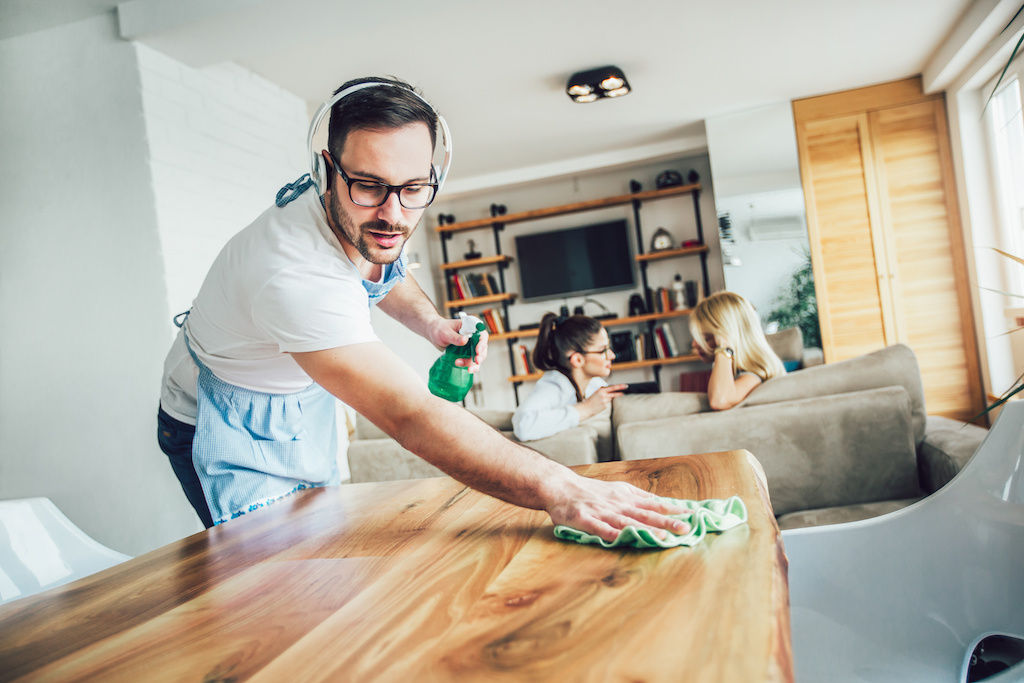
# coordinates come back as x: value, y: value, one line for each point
x: 485, y: 285
x: 664, y: 302
x: 660, y: 344
x: 492, y: 283
x: 673, y: 348
x: 471, y: 285
x: 487, y: 315
x: 479, y: 283
x: 638, y: 344
x: 521, y: 359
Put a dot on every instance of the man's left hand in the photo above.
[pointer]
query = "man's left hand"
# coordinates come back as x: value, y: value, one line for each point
x: 445, y: 331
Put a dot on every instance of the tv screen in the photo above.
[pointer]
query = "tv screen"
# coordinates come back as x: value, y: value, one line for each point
x: 583, y: 260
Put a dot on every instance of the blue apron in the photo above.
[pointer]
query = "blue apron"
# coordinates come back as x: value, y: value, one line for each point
x: 252, y: 448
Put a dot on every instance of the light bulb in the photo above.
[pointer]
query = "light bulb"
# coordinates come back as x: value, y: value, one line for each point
x: 611, y: 83
x: 579, y: 90
x: 586, y: 98
x: 618, y: 92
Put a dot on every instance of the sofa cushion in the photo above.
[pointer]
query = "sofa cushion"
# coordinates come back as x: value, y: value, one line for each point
x: 499, y: 419
x: 820, y: 452
x: 894, y: 365
x: 384, y: 459
x: 643, y: 407
x: 946, y: 448
x: 788, y: 344
x: 843, y: 513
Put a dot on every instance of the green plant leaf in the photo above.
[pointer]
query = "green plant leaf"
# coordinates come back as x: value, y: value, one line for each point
x: 1008, y: 61
x: 1014, y: 389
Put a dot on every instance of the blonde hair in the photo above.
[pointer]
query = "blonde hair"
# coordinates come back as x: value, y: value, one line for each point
x: 728, y: 315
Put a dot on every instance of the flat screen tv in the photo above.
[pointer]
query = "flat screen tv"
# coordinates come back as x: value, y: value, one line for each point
x: 574, y: 261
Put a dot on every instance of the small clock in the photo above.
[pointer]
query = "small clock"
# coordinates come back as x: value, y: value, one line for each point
x: 661, y: 240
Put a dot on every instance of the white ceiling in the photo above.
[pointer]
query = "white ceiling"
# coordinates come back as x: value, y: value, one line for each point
x: 497, y: 71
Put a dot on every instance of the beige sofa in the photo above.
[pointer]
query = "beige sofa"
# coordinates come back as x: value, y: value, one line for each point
x: 838, y: 442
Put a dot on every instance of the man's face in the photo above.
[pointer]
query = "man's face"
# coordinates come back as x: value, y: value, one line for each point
x: 396, y: 156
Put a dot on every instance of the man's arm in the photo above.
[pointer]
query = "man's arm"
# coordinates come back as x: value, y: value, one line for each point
x: 408, y: 304
x: 379, y: 385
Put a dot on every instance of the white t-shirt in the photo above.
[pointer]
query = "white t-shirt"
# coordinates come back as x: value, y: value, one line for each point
x: 551, y: 406
x: 281, y: 285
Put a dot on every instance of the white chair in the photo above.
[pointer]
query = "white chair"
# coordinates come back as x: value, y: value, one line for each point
x: 40, y: 548
x: 907, y: 596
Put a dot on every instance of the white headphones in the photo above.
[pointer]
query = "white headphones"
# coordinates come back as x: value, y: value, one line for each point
x: 317, y: 167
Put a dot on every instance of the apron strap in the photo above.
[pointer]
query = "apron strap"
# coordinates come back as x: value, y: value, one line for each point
x: 291, y: 191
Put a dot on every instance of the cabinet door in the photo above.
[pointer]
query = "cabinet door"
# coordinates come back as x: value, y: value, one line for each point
x: 836, y: 167
x: 926, y: 267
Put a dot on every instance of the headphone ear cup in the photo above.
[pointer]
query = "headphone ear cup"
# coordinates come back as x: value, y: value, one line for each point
x: 320, y: 172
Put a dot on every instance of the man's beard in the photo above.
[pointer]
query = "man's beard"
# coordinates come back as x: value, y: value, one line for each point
x: 356, y: 236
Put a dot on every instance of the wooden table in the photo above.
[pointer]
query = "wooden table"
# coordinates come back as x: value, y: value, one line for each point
x: 426, y: 580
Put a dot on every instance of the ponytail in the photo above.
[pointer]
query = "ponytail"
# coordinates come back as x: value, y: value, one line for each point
x: 558, y: 338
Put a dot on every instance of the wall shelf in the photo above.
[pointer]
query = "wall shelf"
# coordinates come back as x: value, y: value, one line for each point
x: 671, y: 253
x: 608, y: 322
x: 477, y: 300
x: 628, y: 365
x: 477, y: 262
x: 535, y: 214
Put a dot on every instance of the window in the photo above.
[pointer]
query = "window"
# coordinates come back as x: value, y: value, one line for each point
x: 1006, y: 131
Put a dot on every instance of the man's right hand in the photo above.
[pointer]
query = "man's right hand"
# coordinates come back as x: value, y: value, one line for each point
x: 605, y: 508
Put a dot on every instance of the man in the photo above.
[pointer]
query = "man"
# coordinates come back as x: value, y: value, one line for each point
x: 281, y: 326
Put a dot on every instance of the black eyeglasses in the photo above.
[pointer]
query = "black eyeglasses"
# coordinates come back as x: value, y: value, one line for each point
x: 373, y: 193
x: 604, y: 352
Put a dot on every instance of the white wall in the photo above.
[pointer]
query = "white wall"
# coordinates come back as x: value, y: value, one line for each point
x: 675, y: 214
x: 222, y: 141
x: 82, y: 295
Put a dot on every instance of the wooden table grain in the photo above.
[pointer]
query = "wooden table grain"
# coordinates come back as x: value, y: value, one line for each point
x: 426, y: 580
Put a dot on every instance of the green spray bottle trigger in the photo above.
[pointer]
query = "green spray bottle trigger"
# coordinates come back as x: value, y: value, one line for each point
x: 451, y: 381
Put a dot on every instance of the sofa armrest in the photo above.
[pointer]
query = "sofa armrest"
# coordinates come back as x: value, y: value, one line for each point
x: 576, y: 446
x: 945, y: 449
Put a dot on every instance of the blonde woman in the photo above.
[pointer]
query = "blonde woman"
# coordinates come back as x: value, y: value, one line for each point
x: 727, y: 333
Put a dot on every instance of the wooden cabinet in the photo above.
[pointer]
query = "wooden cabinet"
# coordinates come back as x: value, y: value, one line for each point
x: 886, y: 244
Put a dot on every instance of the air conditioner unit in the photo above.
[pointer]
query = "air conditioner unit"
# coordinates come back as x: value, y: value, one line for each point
x: 784, y: 227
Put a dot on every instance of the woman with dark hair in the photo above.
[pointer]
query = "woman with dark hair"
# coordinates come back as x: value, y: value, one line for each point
x: 575, y: 355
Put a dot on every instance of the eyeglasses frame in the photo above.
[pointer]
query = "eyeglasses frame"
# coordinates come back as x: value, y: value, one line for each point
x: 396, y: 189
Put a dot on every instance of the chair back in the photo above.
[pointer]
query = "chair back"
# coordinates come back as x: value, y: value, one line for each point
x: 40, y: 548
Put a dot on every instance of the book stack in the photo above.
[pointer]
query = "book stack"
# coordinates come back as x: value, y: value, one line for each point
x: 471, y: 286
x: 521, y: 359
x: 493, y: 320
x: 665, y: 343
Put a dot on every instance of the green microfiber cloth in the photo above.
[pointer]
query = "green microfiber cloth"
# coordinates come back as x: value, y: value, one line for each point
x: 705, y: 516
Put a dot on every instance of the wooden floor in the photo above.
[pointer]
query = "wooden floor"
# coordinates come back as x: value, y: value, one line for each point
x: 425, y: 580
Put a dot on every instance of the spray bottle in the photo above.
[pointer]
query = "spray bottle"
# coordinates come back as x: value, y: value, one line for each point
x: 448, y: 380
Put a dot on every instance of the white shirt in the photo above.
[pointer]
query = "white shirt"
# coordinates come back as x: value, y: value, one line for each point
x: 281, y: 285
x: 550, y: 407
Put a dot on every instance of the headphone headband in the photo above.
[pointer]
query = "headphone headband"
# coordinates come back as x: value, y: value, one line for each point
x: 317, y: 169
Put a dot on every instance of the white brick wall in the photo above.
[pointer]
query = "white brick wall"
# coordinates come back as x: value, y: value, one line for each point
x: 222, y: 141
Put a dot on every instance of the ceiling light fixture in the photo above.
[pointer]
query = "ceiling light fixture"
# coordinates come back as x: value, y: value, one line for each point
x: 594, y: 84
